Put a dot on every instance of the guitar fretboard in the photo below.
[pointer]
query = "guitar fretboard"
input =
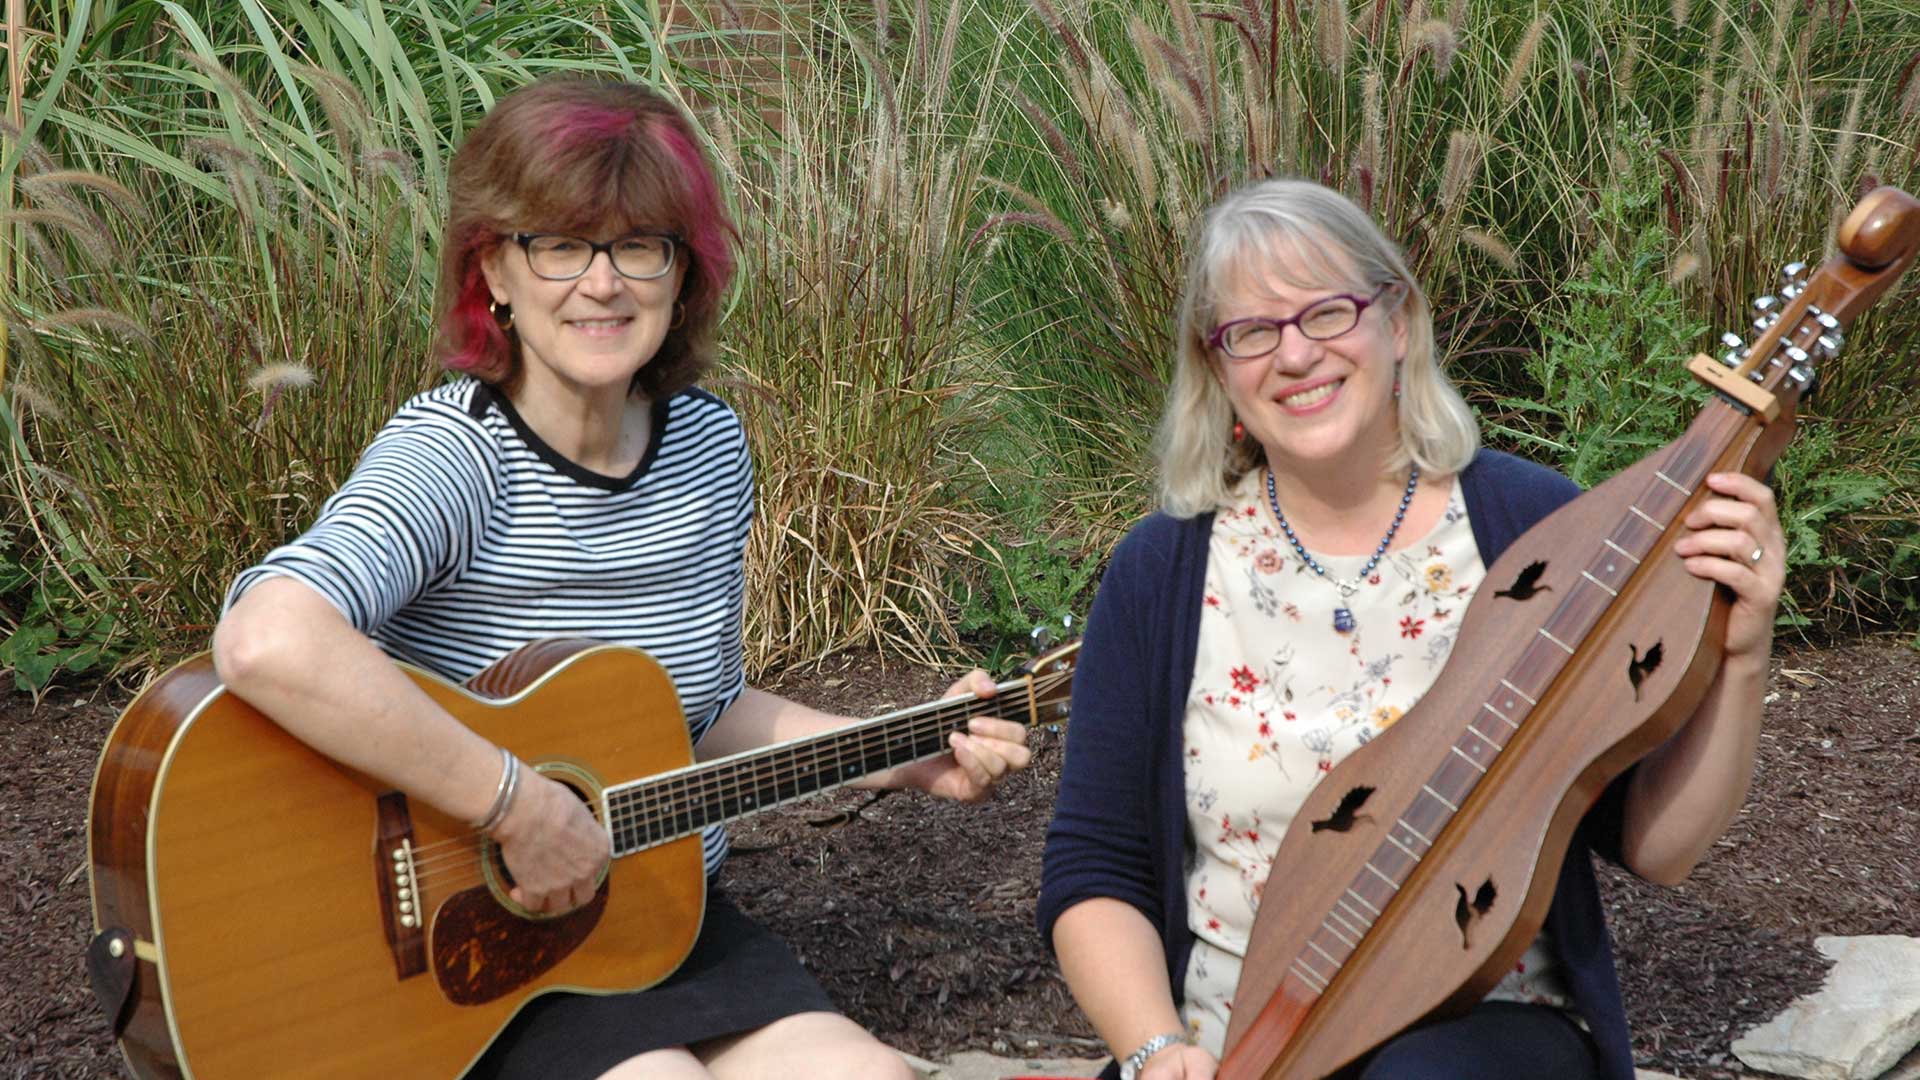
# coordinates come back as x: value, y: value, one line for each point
x: 646, y: 813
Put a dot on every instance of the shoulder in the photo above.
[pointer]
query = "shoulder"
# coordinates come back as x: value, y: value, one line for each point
x: 697, y: 427
x: 1496, y: 477
x: 695, y: 408
x: 1160, y: 540
x: 449, y: 432
x: 700, y: 431
x: 1159, y: 551
x: 1508, y: 470
x: 452, y: 414
x: 1507, y: 495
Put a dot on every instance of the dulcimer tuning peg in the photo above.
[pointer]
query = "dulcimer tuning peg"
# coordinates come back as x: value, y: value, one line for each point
x: 1793, y: 273
x: 1764, y: 304
x: 1831, y: 336
x: 1736, y: 349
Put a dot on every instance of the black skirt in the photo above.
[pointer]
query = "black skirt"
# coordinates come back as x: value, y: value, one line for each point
x: 738, y: 977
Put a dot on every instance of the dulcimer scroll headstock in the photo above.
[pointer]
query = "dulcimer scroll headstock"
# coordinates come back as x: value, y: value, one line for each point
x: 1804, y: 326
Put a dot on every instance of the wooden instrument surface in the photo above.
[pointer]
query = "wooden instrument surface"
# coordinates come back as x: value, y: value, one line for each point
x: 1436, y: 847
x: 246, y: 865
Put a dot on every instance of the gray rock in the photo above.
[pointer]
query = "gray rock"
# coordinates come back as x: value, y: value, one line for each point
x: 1857, y: 1026
x: 1908, y: 1069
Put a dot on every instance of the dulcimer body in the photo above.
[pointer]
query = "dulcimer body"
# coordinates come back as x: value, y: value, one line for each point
x: 1421, y: 868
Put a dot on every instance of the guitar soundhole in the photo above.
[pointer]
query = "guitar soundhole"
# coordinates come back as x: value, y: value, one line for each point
x: 497, y: 864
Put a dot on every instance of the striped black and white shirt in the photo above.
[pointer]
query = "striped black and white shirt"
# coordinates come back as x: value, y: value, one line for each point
x: 461, y: 536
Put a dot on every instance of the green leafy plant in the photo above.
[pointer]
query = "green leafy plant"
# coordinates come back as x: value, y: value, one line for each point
x: 1038, y: 585
x: 46, y: 627
x: 1610, y: 384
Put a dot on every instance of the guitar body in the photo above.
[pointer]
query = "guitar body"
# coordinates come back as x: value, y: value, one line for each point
x: 265, y: 916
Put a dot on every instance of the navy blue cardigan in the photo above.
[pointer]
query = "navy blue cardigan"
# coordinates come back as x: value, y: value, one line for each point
x: 1120, y: 819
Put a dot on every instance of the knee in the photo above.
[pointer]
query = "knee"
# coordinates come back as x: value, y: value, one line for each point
x: 1408, y: 1059
x: 673, y: 1063
x: 873, y: 1059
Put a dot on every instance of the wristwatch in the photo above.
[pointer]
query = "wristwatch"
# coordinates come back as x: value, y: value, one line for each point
x: 1130, y: 1068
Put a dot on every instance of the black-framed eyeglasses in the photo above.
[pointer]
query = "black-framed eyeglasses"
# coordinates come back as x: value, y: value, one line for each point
x: 1323, y: 320
x: 641, y: 256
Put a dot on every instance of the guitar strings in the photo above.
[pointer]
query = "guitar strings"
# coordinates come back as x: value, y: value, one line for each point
x: 431, y: 861
x: 762, y: 767
x: 646, y: 808
x: 643, y: 808
x: 701, y: 797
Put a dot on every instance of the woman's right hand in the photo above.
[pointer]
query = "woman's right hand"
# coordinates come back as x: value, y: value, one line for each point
x: 1180, y: 1062
x: 552, y: 846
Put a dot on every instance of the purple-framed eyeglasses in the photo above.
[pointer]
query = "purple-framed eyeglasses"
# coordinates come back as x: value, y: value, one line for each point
x: 1324, y: 319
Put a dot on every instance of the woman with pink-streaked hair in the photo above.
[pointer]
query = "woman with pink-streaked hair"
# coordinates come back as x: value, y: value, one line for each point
x: 573, y: 480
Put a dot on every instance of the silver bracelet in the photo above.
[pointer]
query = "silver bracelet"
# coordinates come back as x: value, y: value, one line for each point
x: 502, y: 795
x: 1137, y: 1060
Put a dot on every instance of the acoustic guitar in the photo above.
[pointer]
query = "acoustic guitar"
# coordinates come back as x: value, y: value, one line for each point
x: 1435, y: 848
x: 263, y: 911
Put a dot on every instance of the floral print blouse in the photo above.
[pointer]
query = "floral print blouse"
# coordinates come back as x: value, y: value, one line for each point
x: 1279, y: 697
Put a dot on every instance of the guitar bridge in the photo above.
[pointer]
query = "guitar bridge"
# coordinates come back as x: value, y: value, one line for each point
x: 401, y: 912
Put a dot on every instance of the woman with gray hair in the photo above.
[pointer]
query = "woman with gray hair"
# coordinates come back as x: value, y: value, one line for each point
x: 1327, y: 514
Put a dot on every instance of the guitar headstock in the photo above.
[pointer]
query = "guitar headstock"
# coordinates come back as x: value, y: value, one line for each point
x: 1804, y: 325
x: 1050, y: 681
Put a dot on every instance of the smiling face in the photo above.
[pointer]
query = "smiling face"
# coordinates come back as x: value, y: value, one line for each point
x: 1313, y: 402
x: 587, y: 335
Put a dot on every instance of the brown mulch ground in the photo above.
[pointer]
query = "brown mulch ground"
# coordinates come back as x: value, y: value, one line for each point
x: 918, y: 915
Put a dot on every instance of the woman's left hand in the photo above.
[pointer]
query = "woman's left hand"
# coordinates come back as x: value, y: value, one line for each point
x: 988, y: 750
x: 1728, y: 533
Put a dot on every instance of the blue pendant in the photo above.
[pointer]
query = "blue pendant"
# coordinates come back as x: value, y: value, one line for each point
x: 1342, y: 621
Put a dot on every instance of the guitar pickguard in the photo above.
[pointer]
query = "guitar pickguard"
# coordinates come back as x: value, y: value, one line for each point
x: 481, y: 951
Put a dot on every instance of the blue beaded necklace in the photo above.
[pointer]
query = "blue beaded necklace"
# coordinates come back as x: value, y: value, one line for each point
x: 1342, y: 615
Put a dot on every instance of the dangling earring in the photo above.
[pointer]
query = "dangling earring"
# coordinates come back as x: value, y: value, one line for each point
x: 494, y: 308
x: 1239, y: 431
x: 1396, y: 382
x: 679, y: 316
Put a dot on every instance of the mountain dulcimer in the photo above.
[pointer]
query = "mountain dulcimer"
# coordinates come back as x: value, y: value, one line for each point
x: 1435, y: 847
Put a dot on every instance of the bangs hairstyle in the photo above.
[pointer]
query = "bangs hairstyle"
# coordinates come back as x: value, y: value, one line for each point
x: 573, y: 155
x: 1308, y: 237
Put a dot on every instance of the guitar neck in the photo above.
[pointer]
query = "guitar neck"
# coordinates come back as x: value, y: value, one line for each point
x: 652, y: 811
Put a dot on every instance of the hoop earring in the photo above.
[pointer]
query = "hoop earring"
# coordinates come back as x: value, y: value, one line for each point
x: 494, y: 308
x: 679, y: 316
